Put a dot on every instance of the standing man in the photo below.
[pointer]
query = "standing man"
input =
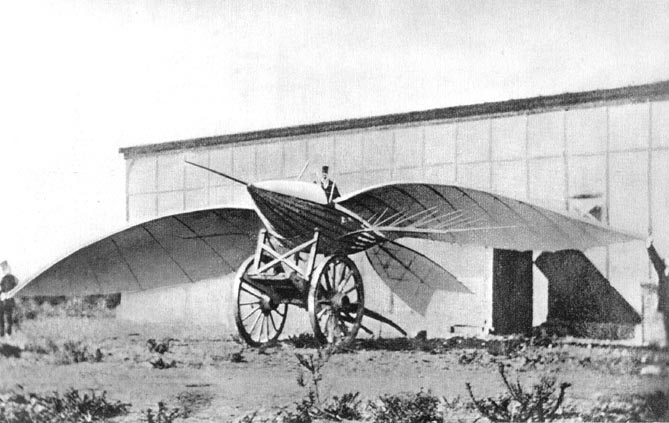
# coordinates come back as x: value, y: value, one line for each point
x: 7, y: 283
x: 662, y: 284
x: 328, y: 185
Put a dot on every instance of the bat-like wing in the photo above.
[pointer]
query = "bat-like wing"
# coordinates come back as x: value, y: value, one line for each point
x: 412, y: 276
x: 460, y: 215
x: 182, y: 248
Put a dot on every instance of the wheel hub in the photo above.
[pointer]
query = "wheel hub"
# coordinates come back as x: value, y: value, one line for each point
x: 339, y: 301
x: 267, y: 305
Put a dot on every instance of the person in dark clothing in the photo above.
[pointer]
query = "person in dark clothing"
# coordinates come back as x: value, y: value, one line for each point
x: 328, y: 185
x: 662, y: 284
x: 7, y: 283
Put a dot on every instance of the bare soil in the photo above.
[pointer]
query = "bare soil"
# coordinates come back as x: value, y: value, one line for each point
x: 208, y: 379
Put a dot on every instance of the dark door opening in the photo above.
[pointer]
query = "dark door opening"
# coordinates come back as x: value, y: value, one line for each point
x: 512, y: 291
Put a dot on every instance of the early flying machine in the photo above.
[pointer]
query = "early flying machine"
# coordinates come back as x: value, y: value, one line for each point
x: 303, y: 243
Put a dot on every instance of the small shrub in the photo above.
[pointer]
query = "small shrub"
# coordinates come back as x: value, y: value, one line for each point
x: 77, y: 352
x: 304, y: 340
x: 30, y: 308
x: 345, y: 407
x: 237, y: 357
x: 53, y: 408
x: 159, y: 347
x: 161, y: 364
x: 192, y: 402
x: 539, y: 405
x: 421, y: 407
x: 162, y: 415
x: 313, y: 364
x: 650, y: 407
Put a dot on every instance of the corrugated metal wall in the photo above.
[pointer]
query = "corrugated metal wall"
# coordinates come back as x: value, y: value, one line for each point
x: 617, y: 153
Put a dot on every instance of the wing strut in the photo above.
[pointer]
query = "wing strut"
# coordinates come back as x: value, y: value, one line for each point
x: 239, y: 181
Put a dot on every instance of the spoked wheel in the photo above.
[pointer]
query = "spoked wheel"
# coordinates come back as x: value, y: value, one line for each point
x: 336, y: 301
x: 259, y: 317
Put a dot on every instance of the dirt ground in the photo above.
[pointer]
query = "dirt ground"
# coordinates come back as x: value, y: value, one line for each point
x: 208, y: 379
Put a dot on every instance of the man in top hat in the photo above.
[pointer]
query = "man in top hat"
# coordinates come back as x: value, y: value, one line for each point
x: 328, y: 185
x: 7, y: 283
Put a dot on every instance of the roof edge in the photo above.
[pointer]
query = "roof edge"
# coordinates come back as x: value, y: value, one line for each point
x: 636, y: 93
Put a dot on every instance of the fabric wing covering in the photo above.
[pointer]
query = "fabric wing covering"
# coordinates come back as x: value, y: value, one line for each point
x: 467, y: 216
x: 410, y: 275
x: 177, y: 249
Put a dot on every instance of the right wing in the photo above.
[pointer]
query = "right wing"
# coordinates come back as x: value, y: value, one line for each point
x: 461, y: 215
x: 182, y: 248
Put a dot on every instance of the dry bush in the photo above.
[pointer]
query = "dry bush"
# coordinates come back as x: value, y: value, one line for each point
x: 161, y: 415
x: 649, y: 407
x: 421, y: 407
x: 53, y: 408
x: 192, y: 402
x: 303, y: 340
x: 518, y: 405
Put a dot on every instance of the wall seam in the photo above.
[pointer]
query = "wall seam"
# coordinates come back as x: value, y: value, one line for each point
x: 608, y: 186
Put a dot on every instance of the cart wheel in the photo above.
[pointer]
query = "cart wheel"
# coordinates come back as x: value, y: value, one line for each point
x: 336, y: 301
x: 259, y: 318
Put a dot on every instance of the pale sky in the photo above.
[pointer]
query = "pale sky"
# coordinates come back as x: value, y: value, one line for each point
x: 81, y: 78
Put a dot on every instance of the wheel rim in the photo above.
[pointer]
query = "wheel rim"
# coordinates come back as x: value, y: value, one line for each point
x: 336, y: 301
x: 259, y: 319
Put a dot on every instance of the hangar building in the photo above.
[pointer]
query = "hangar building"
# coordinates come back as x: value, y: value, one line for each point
x: 604, y: 153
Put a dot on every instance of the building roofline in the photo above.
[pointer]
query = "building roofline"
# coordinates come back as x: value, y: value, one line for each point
x: 637, y: 93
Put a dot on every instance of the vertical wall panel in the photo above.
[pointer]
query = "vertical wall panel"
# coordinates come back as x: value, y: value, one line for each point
x: 377, y: 150
x: 269, y: 161
x: 474, y: 175
x: 629, y: 191
x: 473, y: 141
x: 508, y: 178
x: 440, y: 144
x: 221, y: 195
x: 628, y: 126
x: 295, y: 157
x: 142, y: 207
x: 547, y: 183
x: 170, y: 202
x: 587, y: 175
x: 372, y: 177
x: 628, y: 270
x: 545, y: 133
x: 409, y: 147
x: 349, y: 182
x: 412, y: 174
x: 244, y: 162
x: 220, y: 188
x: 348, y: 153
x: 586, y: 130
x: 660, y: 124
x: 196, y: 177
x: 321, y: 151
x: 196, y: 199
x: 171, y: 168
x: 142, y: 175
x: 441, y: 174
x: 221, y: 160
x: 508, y: 138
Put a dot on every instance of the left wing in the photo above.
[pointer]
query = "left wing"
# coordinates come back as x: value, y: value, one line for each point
x: 459, y: 215
x: 182, y: 248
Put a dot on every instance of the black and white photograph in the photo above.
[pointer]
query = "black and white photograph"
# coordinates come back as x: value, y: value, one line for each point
x: 337, y: 211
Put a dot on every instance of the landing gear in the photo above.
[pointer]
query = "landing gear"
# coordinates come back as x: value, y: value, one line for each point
x: 336, y: 301
x: 273, y: 278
